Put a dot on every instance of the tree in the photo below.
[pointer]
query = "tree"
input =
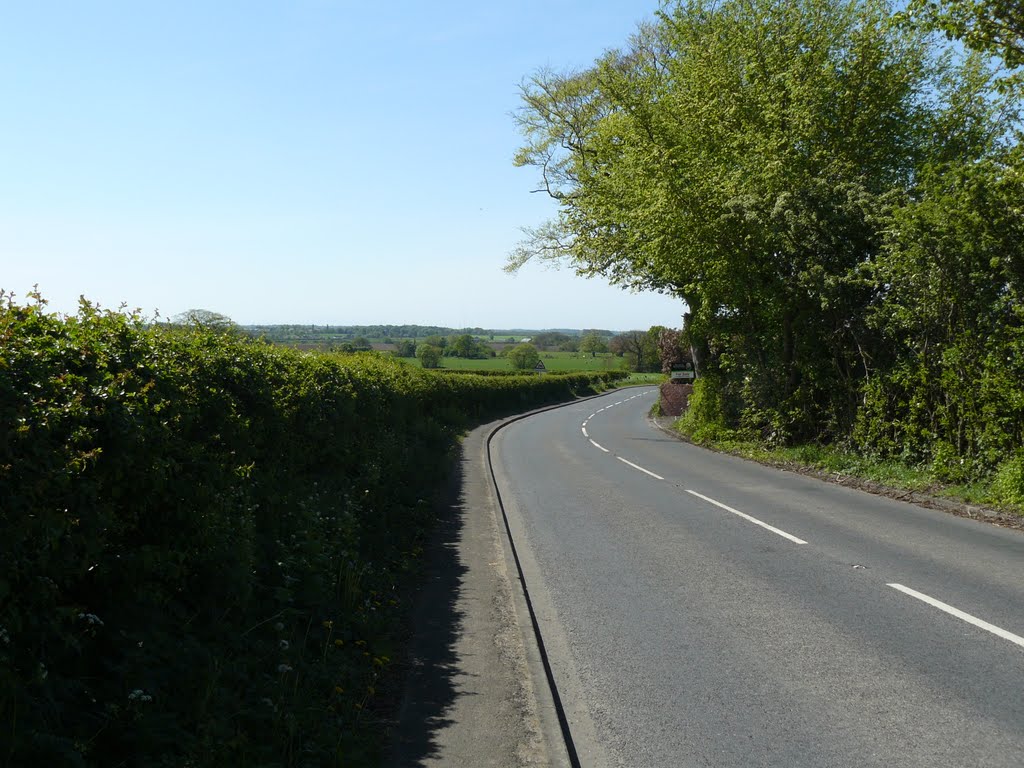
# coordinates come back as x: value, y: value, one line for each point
x: 429, y: 355
x: 640, y: 348
x: 361, y: 344
x: 524, y: 357
x: 953, y: 320
x: 405, y: 348
x: 991, y: 27
x: 673, y: 349
x: 205, y: 319
x: 549, y: 339
x: 463, y: 346
x: 592, y: 344
x: 743, y: 155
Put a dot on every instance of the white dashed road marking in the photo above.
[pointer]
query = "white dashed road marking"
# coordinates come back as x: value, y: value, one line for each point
x: 745, y: 516
x: 637, y: 466
x: 1017, y: 639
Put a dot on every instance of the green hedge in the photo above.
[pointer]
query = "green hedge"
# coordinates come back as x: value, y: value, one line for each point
x: 200, y: 536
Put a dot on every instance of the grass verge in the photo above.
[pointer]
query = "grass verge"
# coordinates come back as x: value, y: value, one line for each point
x: 873, y: 474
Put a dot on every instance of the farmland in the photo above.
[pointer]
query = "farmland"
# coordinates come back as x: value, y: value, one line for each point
x: 553, y: 361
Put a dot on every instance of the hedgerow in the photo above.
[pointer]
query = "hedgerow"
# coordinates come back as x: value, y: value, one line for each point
x: 201, y: 535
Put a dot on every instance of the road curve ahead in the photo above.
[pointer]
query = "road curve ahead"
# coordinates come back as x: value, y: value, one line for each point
x: 700, y: 610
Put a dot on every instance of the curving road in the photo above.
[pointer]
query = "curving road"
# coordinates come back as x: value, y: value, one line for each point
x: 701, y: 610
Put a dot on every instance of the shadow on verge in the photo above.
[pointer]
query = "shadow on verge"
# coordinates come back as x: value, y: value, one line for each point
x: 432, y: 668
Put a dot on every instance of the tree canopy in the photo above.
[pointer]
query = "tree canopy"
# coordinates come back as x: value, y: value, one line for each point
x: 524, y: 357
x: 745, y: 156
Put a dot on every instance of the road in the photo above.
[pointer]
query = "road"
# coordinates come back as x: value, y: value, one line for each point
x: 701, y: 610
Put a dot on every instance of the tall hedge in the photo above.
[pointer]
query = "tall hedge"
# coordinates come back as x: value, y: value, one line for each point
x: 200, y: 535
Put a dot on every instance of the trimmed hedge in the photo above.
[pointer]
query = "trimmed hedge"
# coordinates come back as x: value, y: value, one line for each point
x: 200, y: 536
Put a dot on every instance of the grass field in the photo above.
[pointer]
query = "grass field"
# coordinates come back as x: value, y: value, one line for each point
x: 553, y: 361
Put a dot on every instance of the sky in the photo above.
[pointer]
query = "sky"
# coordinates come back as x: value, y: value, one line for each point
x: 298, y: 161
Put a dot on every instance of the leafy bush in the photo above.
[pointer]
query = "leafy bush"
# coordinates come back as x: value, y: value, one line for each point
x: 524, y: 356
x: 704, y: 419
x: 1008, y: 483
x: 201, y: 535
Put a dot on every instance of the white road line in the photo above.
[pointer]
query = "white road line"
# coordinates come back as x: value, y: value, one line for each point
x: 754, y: 520
x: 584, y: 431
x: 601, y: 447
x: 634, y: 466
x: 591, y: 416
x: 1017, y: 639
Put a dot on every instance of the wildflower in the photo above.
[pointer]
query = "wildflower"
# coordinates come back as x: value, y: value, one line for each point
x: 4, y: 636
x: 328, y: 624
x: 91, y: 618
x: 339, y: 690
x: 284, y: 645
x: 267, y: 702
x: 139, y: 695
x: 279, y: 626
x: 284, y: 668
x: 43, y: 671
x: 339, y: 643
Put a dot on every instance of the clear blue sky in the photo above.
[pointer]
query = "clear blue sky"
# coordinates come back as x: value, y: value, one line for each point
x: 301, y: 161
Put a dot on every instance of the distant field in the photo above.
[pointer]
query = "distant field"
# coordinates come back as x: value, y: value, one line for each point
x: 553, y: 361
x: 644, y: 378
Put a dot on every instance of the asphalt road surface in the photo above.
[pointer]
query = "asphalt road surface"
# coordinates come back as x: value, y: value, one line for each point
x: 701, y: 610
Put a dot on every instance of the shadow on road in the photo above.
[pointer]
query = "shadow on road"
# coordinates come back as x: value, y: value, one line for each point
x: 430, y: 686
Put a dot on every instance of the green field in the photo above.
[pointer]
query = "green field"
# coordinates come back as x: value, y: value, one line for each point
x: 553, y: 361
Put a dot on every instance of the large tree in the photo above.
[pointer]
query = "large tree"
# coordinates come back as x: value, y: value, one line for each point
x: 991, y: 27
x: 742, y: 155
x: 524, y: 357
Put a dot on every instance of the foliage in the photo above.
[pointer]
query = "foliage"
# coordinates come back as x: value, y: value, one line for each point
x: 951, y: 386
x: 991, y: 27
x: 204, y: 318
x: 639, y: 348
x: 201, y: 535
x: 705, y: 419
x: 524, y: 356
x: 429, y: 355
x: 592, y: 343
x: 405, y: 348
x: 549, y: 339
x: 835, y: 197
x: 1008, y: 483
x: 673, y: 348
x: 468, y: 347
